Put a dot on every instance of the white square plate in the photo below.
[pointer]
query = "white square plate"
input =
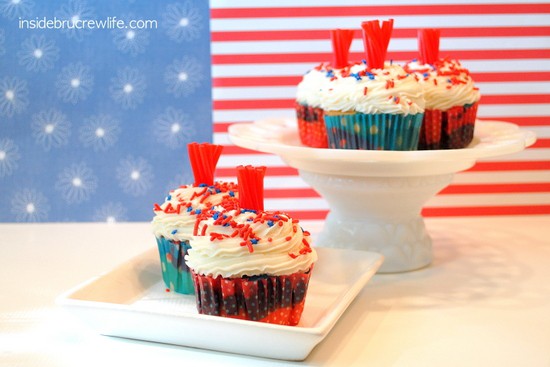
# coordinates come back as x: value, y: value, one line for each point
x: 132, y: 302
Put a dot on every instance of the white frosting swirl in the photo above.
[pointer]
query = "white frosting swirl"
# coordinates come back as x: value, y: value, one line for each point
x: 389, y: 90
x: 446, y: 84
x: 275, y: 247
x: 178, y: 224
x: 309, y: 89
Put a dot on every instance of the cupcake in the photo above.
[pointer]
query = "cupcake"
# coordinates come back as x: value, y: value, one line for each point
x: 450, y: 94
x: 309, y: 114
x: 374, y: 105
x: 248, y: 263
x: 175, y: 218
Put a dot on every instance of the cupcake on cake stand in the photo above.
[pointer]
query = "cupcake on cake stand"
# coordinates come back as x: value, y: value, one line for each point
x: 376, y: 196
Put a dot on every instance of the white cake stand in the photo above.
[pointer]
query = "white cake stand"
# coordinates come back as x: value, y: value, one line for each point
x: 376, y: 197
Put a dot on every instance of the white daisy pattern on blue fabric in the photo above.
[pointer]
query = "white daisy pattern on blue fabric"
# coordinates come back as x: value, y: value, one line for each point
x: 13, y: 9
x: 9, y: 157
x: 173, y: 128
x: 75, y: 11
x: 185, y: 178
x: 134, y: 175
x: 74, y: 83
x: 184, y: 76
x: 100, y: 132
x: 182, y: 21
x: 30, y: 205
x: 13, y: 96
x: 38, y: 53
x: 76, y: 183
x: 50, y: 129
x: 128, y: 88
x: 2, y: 41
x: 133, y: 41
x: 111, y: 213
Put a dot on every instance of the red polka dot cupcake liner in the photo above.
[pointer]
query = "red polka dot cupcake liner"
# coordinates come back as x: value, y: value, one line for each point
x: 271, y: 299
x: 311, y: 126
x: 451, y: 129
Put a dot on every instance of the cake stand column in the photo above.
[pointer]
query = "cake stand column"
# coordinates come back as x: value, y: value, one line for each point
x: 380, y: 214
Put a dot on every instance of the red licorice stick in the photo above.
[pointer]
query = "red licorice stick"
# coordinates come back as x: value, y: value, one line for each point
x: 376, y: 40
x: 341, y: 41
x: 428, y: 45
x: 251, y: 187
x: 204, y: 158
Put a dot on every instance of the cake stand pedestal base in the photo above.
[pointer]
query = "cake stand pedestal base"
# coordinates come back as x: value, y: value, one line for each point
x: 379, y: 214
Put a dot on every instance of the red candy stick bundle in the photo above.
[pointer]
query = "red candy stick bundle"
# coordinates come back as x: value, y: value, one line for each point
x: 341, y: 41
x: 251, y: 187
x: 376, y: 39
x: 428, y: 45
x: 204, y: 158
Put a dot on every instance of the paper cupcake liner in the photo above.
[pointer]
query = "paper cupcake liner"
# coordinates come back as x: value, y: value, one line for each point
x: 373, y: 131
x: 311, y: 126
x: 451, y: 129
x: 175, y: 273
x: 271, y: 299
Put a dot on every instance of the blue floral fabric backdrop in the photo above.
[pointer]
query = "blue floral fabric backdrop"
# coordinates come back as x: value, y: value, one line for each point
x: 95, y: 117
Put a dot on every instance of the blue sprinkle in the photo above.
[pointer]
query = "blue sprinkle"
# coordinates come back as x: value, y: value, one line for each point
x: 189, y: 208
x: 226, y: 225
x: 356, y: 76
x: 391, y: 61
x: 174, y: 231
x: 330, y: 74
x: 169, y: 197
x: 370, y: 75
x: 231, y: 193
x: 414, y: 60
x: 270, y: 223
x: 364, y: 61
x: 218, y: 191
x: 425, y: 75
x: 203, y: 185
x: 216, y: 215
x: 253, y: 241
x: 249, y: 220
x: 248, y: 211
x: 198, y: 211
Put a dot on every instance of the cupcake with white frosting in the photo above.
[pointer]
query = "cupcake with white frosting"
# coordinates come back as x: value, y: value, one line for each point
x: 450, y: 93
x: 374, y: 105
x: 174, y: 220
x: 249, y: 263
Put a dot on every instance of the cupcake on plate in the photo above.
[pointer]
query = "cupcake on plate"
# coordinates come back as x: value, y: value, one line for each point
x: 309, y: 114
x: 175, y: 218
x: 374, y: 105
x: 248, y: 263
x: 450, y: 93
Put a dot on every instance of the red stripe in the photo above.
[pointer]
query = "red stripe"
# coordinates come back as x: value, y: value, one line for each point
x: 248, y: 104
x: 271, y: 171
x: 271, y: 81
x: 373, y: 11
x: 395, y: 55
x: 323, y: 34
x: 511, y: 166
x: 489, y: 210
x: 541, y: 143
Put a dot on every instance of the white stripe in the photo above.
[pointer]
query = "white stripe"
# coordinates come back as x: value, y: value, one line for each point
x: 518, y: 177
x: 461, y: 200
x: 400, y: 21
x: 293, y: 69
x: 438, y: 201
x: 233, y: 160
x: 229, y: 4
x: 396, y: 44
x: 513, y: 110
x: 251, y: 115
x: 286, y: 92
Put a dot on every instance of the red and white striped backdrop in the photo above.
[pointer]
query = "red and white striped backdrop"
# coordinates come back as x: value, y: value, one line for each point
x: 260, y: 53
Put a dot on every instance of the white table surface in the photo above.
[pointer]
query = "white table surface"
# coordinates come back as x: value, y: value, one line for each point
x: 484, y: 301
